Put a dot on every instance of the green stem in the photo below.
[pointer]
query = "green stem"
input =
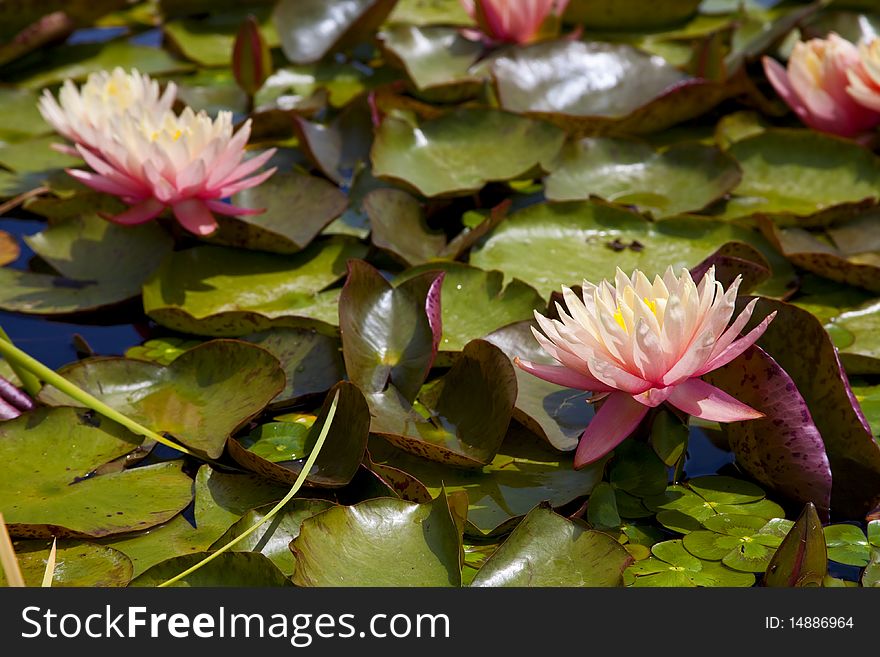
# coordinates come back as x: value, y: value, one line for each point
x: 300, y: 480
x: 30, y: 382
x: 17, y: 358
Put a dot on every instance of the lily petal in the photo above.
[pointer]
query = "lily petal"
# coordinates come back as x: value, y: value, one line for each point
x: 195, y: 216
x: 563, y: 376
x: 698, y: 398
x: 618, y: 417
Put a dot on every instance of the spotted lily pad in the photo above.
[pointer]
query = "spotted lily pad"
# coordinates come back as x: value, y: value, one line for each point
x: 588, y: 240
x: 211, y: 290
x: 50, y: 487
x: 741, y: 542
x: 546, y: 549
x: 461, y: 151
x: 422, y: 540
x: 201, y: 398
x: 77, y: 563
x: 232, y: 569
x: 672, y: 565
x: 686, y: 177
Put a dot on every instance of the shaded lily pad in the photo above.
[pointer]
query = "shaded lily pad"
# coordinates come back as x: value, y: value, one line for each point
x: 309, y: 29
x: 741, y: 542
x: 298, y: 207
x: 461, y: 151
x: 422, y: 540
x: 220, y: 500
x: 335, y: 466
x: 637, y: 470
x: 783, y: 450
x: 100, y: 264
x: 76, y: 564
x: 736, y: 259
x: 672, y: 565
x: 802, y: 176
x: 476, y: 302
x: 341, y: 146
x: 201, y: 398
x: 559, y: 415
x: 49, y: 487
x: 546, y: 549
x: 588, y: 240
x: 211, y: 290
x: 802, y: 559
x: 524, y: 473
x: 686, y: 177
x: 623, y: 15
x: 234, y: 569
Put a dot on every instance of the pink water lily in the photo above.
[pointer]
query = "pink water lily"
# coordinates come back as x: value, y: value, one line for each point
x: 864, y: 82
x: 154, y: 159
x: 513, y: 21
x: 817, y: 85
x: 638, y: 344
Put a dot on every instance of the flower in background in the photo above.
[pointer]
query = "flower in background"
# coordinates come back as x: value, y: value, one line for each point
x: 82, y: 114
x: 815, y: 85
x: 640, y: 344
x: 864, y: 82
x: 513, y: 21
x: 151, y: 158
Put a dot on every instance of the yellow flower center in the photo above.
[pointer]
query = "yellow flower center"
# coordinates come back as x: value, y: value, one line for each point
x: 618, y: 314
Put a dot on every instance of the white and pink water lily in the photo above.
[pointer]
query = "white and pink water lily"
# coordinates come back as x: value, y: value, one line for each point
x: 513, y: 21
x: 639, y: 343
x: 154, y: 159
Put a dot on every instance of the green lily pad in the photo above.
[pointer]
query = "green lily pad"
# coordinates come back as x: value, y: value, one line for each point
x: 826, y: 299
x: 161, y: 350
x: 423, y: 541
x: 277, y: 441
x: 430, y: 12
x: 335, y: 467
x: 854, y: 333
x: 211, y: 290
x: 461, y: 418
x: 76, y: 564
x: 208, y: 40
x: 871, y: 574
x: 340, y: 147
x: 669, y: 438
x: 298, y: 207
x: 602, y: 510
x: 312, y: 362
x: 524, y: 473
x: 847, y: 544
x: 745, y: 543
x: 556, y: 414
x: 309, y: 29
x: 100, y: 264
x: 273, y: 538
x: 869, y: 400
x: 476, y: 302
x: 201, y: 398
x: 549, y: 245
x: 686, y: 177
x: 596, y: 88
x: 36, y: 155
x: 232, y: 569
x: 802, y: 559
x: 802, y: 176
x: 672, y: 565
x: 738, y: 126
x: 637, y: 470
x: 546, y: 549
x: 622, y: 15
x: 220, y: 500
x: 339, y: 81
x: 50, y: 489
x: 22, y: 104
x: 461, y: 151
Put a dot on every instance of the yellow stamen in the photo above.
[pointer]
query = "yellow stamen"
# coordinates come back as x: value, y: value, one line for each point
x: 618, y: 314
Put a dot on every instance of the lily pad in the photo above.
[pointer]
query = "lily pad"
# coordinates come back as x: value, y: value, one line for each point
x: 802, y: 559
x: 309, y: 29
x: 546, y: 549
x: 22, y: 104
x: 335, y: 467
x: 588, y: 240
x: 77, y: 563
x: 340, y: 147
x: 353, y: 546
x: 847, y: 544
x: 298, y: 207
x: 208, y: 40
x: 211, y: 290
x: 686, y: 177
x: 36, y: 155
x: 869, y: 399
x: 476, y: 302
x: 201, y: 398
x: 802, y: 176
x: 461, y: 151
x: 623, y: 15
x: 783, y: 450
x: 232, y: 569
x: 430, y: 12
x: 50, y: 487
x: 745, y: 543
x: 9, y: 249
x: 672, y: 565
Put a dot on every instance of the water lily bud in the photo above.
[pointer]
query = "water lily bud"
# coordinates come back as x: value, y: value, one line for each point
x: 864, y: 82
x: 815, y: 85
x: 251, y: 60
x: 641, y: 343
x: 515, y: 21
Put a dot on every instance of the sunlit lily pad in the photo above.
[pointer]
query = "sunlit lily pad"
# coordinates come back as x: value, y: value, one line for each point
x: 201, y: 398
x: 50, y: 487
x: 741, y: 542
x: 22, y: 104
x: 546, y: 549
x: 210, y: 290
x: 208, y: 40
x: 847, y: 544
x: 672, y: 565
x: 36, y: 155
x: 77, y: 563
x: 422, y: 540
x: 460, y: 152
x: 869, y: 399
x: 685, y: 177
x: 233, y: 569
